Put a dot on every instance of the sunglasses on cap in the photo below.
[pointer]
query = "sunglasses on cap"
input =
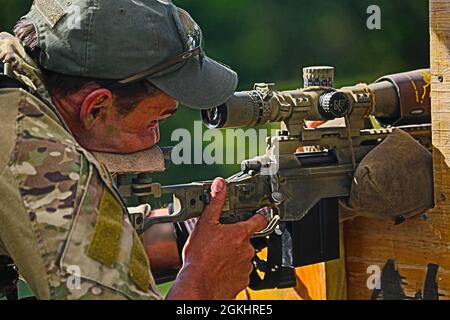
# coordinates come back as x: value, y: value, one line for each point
x: 192, y: 37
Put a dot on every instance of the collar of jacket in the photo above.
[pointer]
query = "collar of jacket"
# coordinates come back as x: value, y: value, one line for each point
x: 24, y: 69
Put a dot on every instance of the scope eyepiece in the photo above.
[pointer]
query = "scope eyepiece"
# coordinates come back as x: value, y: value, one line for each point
x: 243, y: 109
x: 215, y: 118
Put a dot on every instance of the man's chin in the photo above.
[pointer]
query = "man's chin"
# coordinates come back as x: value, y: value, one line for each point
x: 151, y: 139
x: 143, y: 142
x: 128, y: 143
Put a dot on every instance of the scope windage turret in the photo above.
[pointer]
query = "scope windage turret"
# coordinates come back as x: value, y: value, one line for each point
x: 333, y: 105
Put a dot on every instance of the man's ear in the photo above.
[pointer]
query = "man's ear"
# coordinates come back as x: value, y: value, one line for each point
x: 94, y: 105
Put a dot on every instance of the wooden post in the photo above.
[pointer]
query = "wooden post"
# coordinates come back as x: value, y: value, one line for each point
x: 417, y: 247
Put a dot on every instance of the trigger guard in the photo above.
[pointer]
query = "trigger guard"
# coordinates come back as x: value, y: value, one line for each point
x: 174, y: 218
x: 273, y: 223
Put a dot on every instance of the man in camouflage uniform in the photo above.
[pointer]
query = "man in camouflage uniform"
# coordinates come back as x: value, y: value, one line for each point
x: 60, y: 212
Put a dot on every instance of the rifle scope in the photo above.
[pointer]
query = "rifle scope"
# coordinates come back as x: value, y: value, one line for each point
x: 399, y: 99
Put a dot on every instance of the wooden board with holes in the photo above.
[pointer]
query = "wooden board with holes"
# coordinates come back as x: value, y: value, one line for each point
x: 412, y: 253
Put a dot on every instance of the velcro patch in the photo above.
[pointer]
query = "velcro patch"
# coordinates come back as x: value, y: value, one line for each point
x: 139, y: 268
x: 51, y: 10
x: 105, y: 243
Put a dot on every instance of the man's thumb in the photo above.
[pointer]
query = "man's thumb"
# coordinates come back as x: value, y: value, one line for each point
x: 218, y: 195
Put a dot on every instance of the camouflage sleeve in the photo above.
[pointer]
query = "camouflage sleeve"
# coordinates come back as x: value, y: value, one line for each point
x: 62, y: 222
x: 7, y: 127
x: 61, y: 264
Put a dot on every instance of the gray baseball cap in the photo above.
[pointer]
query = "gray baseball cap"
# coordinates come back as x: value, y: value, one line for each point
x: 130, y: 41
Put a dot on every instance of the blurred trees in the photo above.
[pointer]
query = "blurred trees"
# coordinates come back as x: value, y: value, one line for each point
x: 11, y: 11
x: 269, y: 40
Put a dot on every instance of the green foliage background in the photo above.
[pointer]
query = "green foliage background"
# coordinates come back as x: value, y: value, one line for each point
x: 271, y: 41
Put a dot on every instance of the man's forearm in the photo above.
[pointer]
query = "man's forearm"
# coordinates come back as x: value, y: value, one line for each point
x: 161, y: 246
x: 189, y: 286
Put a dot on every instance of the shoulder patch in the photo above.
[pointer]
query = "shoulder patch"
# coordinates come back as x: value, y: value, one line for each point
x: 105, y: 243
x: 140, y: 267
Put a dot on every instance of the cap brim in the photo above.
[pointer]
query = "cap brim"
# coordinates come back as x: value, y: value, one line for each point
x: 197, y: 87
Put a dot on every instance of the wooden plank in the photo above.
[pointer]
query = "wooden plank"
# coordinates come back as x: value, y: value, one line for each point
x: 336, y: 274
x: 416, y: 243
x: 311, y: 283
x: 412, y: 245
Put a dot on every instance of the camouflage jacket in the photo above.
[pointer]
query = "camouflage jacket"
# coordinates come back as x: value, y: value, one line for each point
x: 62, y: 220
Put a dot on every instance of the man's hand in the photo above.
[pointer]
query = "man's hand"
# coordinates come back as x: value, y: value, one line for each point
x: 217, y: 257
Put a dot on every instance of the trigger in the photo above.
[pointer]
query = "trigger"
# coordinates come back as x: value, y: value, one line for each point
x: 273, y: 223
x: 171, y: 209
